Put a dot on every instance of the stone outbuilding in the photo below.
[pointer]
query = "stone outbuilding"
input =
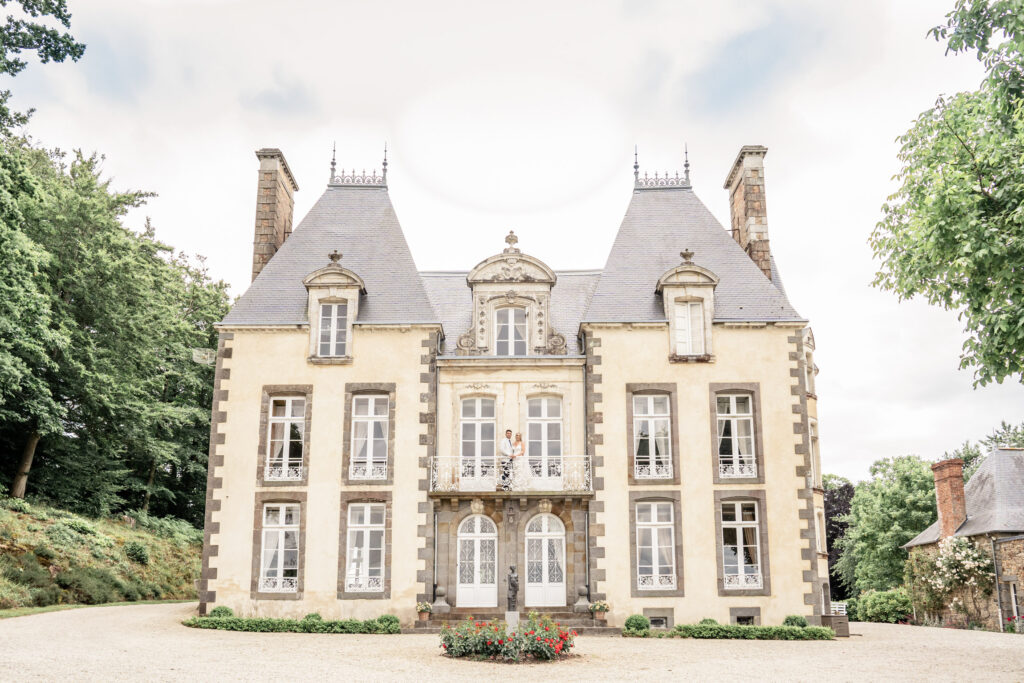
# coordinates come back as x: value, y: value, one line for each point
x: 990, y: 511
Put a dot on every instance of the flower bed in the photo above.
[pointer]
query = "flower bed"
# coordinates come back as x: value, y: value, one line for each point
x: 536, y: 638
x: 311, y: 623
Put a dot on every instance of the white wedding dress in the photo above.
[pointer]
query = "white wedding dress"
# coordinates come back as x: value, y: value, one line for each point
x: 521, y: 473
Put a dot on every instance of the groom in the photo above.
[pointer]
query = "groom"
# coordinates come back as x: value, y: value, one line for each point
x: 506, y: 461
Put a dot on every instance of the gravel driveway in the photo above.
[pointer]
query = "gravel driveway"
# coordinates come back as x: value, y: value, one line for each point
x: 148, y: 642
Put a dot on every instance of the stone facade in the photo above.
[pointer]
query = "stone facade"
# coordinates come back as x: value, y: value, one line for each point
x: 749, y: 209
x: 274, y: 204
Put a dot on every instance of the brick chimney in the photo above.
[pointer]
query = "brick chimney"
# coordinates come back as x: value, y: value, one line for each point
x: 274, y: 204
x: 949, y: 493
x: 747, y: 207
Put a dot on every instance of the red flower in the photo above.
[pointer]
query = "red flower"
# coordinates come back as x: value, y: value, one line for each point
x: 488, y: 642
x: 546, y: 628
x: 445, y: 646
x: 538, y: 637
x: 499, y: 642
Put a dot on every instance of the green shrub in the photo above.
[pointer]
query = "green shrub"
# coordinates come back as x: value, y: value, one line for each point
x: 389, y: 623
x: 538, y: 637
x: 136, y: 552
x: 91, y: 585
x: 269, y: 625
x: 63, y: 536
x: 25, y: 570
x: 169, y: 527
x: 313, y: 616
x: 15, y: 504
x: 81, y: 526
x: 795, y: 620
x: 885, y: 606
x: 13, y: 595
x: 48, y: 595
x: 852, y: 609
x: 707, y: 621
x: 732, y: 631
x: 637, y: 626
x: 223, y: 612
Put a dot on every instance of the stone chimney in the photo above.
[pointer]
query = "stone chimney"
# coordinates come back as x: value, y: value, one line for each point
x: 274, y: 204
x: 949, y: 493
x: 747, y: 207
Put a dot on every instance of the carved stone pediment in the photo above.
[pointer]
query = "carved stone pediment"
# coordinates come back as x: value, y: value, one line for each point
x: 511, y: 268
x: 334, y: 275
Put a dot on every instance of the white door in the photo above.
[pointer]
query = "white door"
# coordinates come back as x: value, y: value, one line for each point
x: 477, y: 568
x: 545, y: 562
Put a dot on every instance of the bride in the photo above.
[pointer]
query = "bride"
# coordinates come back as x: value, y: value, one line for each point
x: 520, y: 466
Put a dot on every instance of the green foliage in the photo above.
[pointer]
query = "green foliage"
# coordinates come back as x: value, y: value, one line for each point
x: 638, y: 622
x: 885, y: 606
x: 795, y: 620
x: 538, y: 637
x: 888, y: 510
x: 599, y: 606
x: 168, y: 527
x: 222, y: 611
x: 388, y: 623
x: 62, y: 536
x: 16, y: 505
x: 838, y: 498
x: 973, y: 454
x: 852, y: 609
x: 91, y: 585
x: 136, y: 552
x: 81, y: 526
x: 707, y: 621
x: 44, y: 553
x: 424, y: 607
x: 951, y: 232
x: 269, y: 625
x: 959, y: 576
x: 729, y: 631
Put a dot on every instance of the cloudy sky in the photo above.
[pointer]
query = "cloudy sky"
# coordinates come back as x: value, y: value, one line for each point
x: 524, y: 115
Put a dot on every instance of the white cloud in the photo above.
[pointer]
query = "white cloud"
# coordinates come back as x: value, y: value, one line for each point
x: 523, y: 116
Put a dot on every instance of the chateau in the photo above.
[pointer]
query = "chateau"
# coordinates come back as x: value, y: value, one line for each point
x: 669, y: 462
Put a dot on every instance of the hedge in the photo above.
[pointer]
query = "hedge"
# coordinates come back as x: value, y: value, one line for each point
x: 733, y: 631
x: 385, y: 624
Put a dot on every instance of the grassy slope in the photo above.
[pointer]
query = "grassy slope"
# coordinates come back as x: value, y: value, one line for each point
x: 50, y: 556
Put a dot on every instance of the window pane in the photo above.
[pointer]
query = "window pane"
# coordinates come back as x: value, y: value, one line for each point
x: 554, y: 407
x: 291, y: 540
x: 664, y: 512
x: 640, y: 405
x: 749, y: 514
x: 645, y: 558
x: 728, y: 512
x: 295, y: 452
x: 362, y: 406
x: 486, y: 407
x: 291, y: 514
x: 272, y: 515
x: 377, y: 514
x: 729, y: 536
x: 749, y: 536
x: 742, y: 404
x: 723, y: 405
x: 661, y: 405
x: 643, y: 514
x: 356, y: 514
x: 533, y: 407
x: 279, y: 408
x: 380, y: 451
x: 469, y: 408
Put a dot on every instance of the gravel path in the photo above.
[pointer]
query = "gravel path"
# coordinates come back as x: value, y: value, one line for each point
x: 148, y: 642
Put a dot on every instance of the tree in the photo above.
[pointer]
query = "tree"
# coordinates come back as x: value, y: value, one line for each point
x: 21, y: 35
x: 838, y: 496
x: 973, y: 454
x: 887, y: 511
x: 952, y: 231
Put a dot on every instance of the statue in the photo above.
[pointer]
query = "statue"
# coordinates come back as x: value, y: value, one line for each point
x: 513, y: 588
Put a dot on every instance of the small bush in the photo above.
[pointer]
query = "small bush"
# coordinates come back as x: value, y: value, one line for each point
x: 537, y: 637
x: 91, y: 585
x: 885, y: 606
x: 795, y: 620
x: 637, y: 626
x: 389, y: 623
x: 313, y: 616
x: 169, y: 527
x: 25, y: 570
x: 44, y: 553
x: 63, y: 536
x: 224, y: 612
x: 15, y: 504
x: 48, y: 595
x: 136, y: 552
x: 81, y: 526
x: 731, y: 631
x: 269, y: 625
x: 852, y: 609
x: 707, y: 622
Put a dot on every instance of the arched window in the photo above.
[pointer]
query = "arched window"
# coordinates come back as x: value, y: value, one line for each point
x: 510, y: 331
x: 545, y: 562
x: 477, y: 562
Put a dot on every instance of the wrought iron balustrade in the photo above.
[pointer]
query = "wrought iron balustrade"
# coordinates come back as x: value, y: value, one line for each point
x: 737, y: 469
x: 751, y: 578
x: 282, y: 473
x: 553, y: 473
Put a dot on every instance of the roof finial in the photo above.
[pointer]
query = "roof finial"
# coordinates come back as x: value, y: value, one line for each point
x: 687, y: 256
x: 636, y: 164
x: 334, y: 163
x: 511, y: 240
x: 686, y: 163
x: 335, y: 256
x: 384, y: 166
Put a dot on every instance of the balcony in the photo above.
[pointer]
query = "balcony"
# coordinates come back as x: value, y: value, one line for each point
x: 278, y: 472
x: 749, y: 579
x: 741, y: 468
x: 551, y: 474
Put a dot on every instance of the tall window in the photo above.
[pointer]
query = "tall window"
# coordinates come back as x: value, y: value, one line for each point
x: 655, y: 546
x: 287, y: 423
x: 822, y: 541
x: 333, y: 329
x: 689, y: 328
x: 365, y: 570
x: 736, y: 436
x: 651, y: 431
x: 544, y: 436
x: 809, y: 372
x: 279, y: 566
x: 477, y: 437
x: 369, y: 437
x: 510, y: 332
x: 812, y: 426
x: 741, y: 550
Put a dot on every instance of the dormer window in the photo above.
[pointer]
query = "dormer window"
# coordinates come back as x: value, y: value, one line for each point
x: 333, y: 329
x: 510, y: 331
x: 689, y: 330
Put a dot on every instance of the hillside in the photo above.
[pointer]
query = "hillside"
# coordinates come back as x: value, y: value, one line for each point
x: 50, y: 556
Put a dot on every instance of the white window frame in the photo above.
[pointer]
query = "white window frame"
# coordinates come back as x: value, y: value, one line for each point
x: 285, y: 468
x: 819, y: 518
x: 337, y: 330
x: 369, y: 467
x: 743, y: 576
x: 661, y: 577
x: 273, y: 539
x: 508, y: 312
x: 359, y: 570
x: 741, y: 466
x: 689, y: 328
x: 1013, y: 601
x: 487, y: 463
x: 545, y: 460
x: 650, y: 468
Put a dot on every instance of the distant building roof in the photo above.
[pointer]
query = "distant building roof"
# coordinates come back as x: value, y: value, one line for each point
x: 994, y: 497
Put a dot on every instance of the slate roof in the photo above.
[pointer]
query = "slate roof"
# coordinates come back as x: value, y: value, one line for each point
x: 360, y: 223
x: 453, y: 302
x: 660, y: 223
x: 994, y: 496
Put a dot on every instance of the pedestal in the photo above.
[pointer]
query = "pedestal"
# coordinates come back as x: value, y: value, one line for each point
x: 512, y: 619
